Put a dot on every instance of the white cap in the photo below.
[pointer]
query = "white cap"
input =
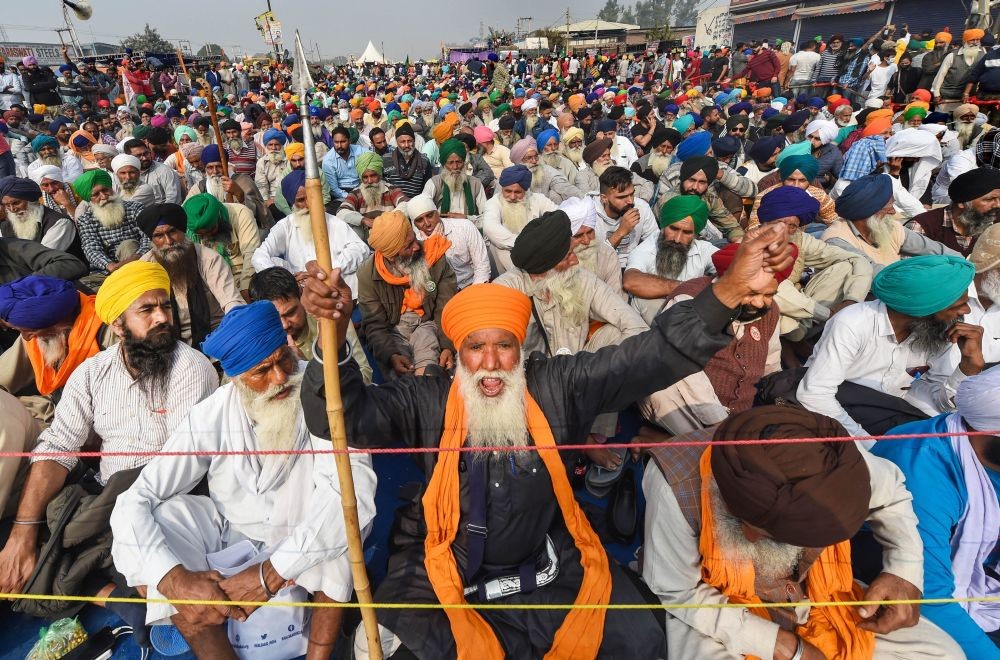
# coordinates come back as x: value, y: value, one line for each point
x: 418, y: 206
x: 124, y: 160
x: 47, y: 172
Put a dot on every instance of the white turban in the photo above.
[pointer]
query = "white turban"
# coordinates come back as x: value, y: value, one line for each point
x: 530, y: 104
x: 581, y: 212
x: 978, y: 400
x: 418, y: 206
x: 912, y: 143
x: 108, y: 149
x: 873, y: 103
x: 124, y: 160
x: 47, y: 172
x: 827, y: 130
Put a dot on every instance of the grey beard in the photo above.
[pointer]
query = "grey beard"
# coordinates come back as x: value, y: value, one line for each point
x: 26, y: 224
x: 964, y: 131
x: 110, y: 213
x: 553, y: 159
x: 276, y: 157
x: 235, y: 145
x: 881, y: 229
x: 575, y: 155
x: 671, y: 257
x: 180, y: 261
x: 599, y: 168
x: 54, y: 348
x: 563, y: 287
x: 514, y: 215
x: 418, y: 271
x: 990, y: 286
x: 213, y: 186
x: 455, y: 181
x: 975, y: 222
x: 587, y: 255
x: 405, y: 153
x: 372, y: 194
x: 539, y: 178
x: 658, y: 163
x: 928, y: 334
x: 129, y: 186
x: 51, y: 160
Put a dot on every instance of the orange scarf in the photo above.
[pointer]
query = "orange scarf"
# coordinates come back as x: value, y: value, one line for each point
x: 413, y: 301
x: 833, y: 630
x: 82, y: 344
x: 583, y: 629
x: 180, y: 160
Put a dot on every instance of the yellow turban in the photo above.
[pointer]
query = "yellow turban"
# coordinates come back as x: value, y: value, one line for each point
x: 572, y: 133
x: 39, y: 108
x: 125, y: 285
x: 486, y: 306
x: 388, y: 233
x: 295, y: 149
x: 972, y: 35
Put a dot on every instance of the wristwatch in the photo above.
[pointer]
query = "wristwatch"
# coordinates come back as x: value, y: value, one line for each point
x: 800, y: 649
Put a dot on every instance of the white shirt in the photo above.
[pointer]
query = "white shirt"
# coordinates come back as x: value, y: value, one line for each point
x: 805, y: 62
x: 500, y: 237
x: 60, y: 235
x: 71, y: 167
x: 467, y: 255
x: 879, y: 78
x: 288, y: 247
x: 606, y: 226
x: 699, y: 259
x: 102, y: 399
x: 962, y: 162
x: 859, y: 346
x: 165, y: 183
x: 12, y: 80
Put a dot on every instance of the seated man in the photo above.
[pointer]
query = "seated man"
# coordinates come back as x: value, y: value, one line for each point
x: 109, y: 234
x: 595, y: 255
x: 20, y: 258
x: 881, y: 346
x: 672, y: 256
x: 545, y: 179
x: 18, y: 433
x: 506, y: 214
x: 799, y: 171
x: 29, y: 220
x: 402, y: 290
x: 165, y: 537
x: 719, y: 532
x: 622, y: 220
x: 127, y: 184
x: 954, y: 481
x: 550, y: 153
x: 131, y: 397
x: 57, y: 330
x: 202, y: 288
x: 405, y: 167
x: 230, y: 187
x: 457, y: 194
x: 290, y: 245
x: 49, y: 153
x: 869, y: 225
x: 56, y: 193
x: 229, y: 229
x: 499, y: 401
x: 467, y: 254
x: 838, y: 277
x: 974, y: 207
x: 596, y: 160
x: 371, y: 199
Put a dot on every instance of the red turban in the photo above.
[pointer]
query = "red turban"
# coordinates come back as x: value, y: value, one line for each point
x: 723, y: 258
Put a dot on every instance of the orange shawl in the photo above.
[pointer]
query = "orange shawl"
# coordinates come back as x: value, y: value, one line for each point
x: 413, y: 301
x: 180, y: 160
x: 82, y: 344
x: 833, y: 630
x: 583, y: 629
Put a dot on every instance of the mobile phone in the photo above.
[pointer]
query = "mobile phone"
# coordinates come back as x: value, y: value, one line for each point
x: 98, y: 646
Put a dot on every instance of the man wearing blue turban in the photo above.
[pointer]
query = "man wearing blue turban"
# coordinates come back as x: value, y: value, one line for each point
x: 281, y: 514
x: 891, y: 360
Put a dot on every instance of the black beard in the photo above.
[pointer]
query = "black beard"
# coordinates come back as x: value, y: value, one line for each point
x: 151, y: 358
x: 750, y: 313
x: 671, y: 257
x: 928, y: 334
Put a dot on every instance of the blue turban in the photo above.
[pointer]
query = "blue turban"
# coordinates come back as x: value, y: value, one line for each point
x: 816, y: 102
x: 291, y: 184
x: 801, y: 99
x: 392, y: 106
x: 544, y: 137
x: 44, y: 141
x: 246, y: 337
x: 670, y: 109
x: 516, y: 174
x: 764, y: 148
x: 768, y: 113
x: 26, y: 189
x: 937, y: 118
x: 443, y: 112
x: 606, y: 126
x: 36, y: 302
x: 742, y: 106
x: 519, y: 93
x: 683, y: 123
x: 210, y: 154
x: 725, y: 146
x: 273, y: 134
x: 864, y: 197
x: 696, y: 118
x: 786, y: 201
x: 590, y: 98
x: 922, y: 286
x: 290, y: 119
x: 695, y: 145
x: 805, y: 163
x: 314, y: 111
x: 57, y: 123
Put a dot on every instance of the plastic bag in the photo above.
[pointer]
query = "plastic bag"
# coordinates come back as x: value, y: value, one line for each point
x: 57, y: 640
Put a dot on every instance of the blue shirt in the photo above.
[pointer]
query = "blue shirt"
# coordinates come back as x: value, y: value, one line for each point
x: 340, y: 173
x: 934, y: 476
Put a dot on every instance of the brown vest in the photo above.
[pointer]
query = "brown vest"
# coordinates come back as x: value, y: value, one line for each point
x: 932, y: 222
x: 735, y: 370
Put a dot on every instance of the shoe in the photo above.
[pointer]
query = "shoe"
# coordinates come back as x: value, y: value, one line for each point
x: 622, y: 507
x: 599, y: 480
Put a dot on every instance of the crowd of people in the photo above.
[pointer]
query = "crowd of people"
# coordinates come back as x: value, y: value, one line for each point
x: 767, y: 242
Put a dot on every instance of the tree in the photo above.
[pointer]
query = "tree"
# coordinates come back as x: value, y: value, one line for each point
x: 612, y: 11
x: 209, y: 50
x: 685, y: 12
x: 149, y: 40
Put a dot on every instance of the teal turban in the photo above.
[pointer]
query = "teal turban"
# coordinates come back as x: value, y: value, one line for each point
x: 922, y: 286
x: 44, y: 141
x: 803, y: 148
x: 452, y: 146
x: 808, y: 165
x: 682, y: 206
x: 682, y: 124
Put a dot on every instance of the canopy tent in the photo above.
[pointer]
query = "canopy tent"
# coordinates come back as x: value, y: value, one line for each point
x: 371, y: 54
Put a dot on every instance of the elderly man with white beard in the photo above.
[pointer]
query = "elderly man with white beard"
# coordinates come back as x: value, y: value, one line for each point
x: 457, y: 194
x: 201, y: 283
x: 109, y: 234
x: 372, y: 198
x: 594, y: 255
x: 571, y: 144
x: 545, y: 179
x: 270, y: 167
x: 402, y: 290
x: 270, y: 526
x: 127, y: 185
x: 968, y: 130
x: 47, y: 149
x: 522, y: 501
x: 507, y: 213
x: 659, y: 153
x: 231, y: 187
x: 467, y: 255
x: 29, y: 220
x: 596, y: 160
x: 550, y: 153
x: 164, y: 181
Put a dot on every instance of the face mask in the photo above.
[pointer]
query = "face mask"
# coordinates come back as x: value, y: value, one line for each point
x: 344, y: 115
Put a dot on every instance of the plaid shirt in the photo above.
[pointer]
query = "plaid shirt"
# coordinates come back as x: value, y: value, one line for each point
x: 863, y: 157
x: 101, y: 244
x: 947, y: 223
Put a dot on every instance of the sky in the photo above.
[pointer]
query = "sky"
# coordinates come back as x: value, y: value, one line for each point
x: 406, y: 28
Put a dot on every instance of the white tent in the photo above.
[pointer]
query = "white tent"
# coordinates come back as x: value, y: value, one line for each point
x: 371, y: 54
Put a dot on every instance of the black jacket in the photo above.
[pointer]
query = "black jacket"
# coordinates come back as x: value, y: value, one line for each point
x: 41, y: 85
x: 19, y: 258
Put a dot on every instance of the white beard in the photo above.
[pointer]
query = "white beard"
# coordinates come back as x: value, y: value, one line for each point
x: 575, y: 155
x: 372, y: 196
x: 54, y: 347
x: 564, y: 288
x: 658, y: 163
x: 587, y: 254
x: 843, y: 123
x: 455, y: 182
x: 553, y: 159
x: 990, y: 286
x: 500, y: 421
x: 110, y: 213
x: 419, y: 273
x: 26, y: 224
x: 964, y: 131
x: 276, y: 157
x: 539, y: 178
x: 515, y: 215
x: 770, y: 558
x: 881, y: 230
x: 303, y: 222
x: 599, y: 168
x: 235, y: 145
x: 530, y: 123
x: 213, y: 186
x: 275, y: 421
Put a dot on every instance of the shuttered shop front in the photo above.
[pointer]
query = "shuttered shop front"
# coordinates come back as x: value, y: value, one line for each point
x: 853, y: 20
x: 931, y: 15
x: 775, y: 28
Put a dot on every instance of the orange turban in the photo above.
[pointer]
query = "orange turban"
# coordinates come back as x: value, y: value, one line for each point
x: 357, y: 113
x: 972, y: 35
x: 943, y: 36
x: 876, y: 127
x: 576, y: 102
x: 295, y: 149
x: 444, y: 130
x: 291, y: 129
x: 483, y: 306
x: 885, y: 113
x: 388, y: 233
x: 922, y: 95
x: 373, y: 105
x: 761, y: 92
x: 833, y: 98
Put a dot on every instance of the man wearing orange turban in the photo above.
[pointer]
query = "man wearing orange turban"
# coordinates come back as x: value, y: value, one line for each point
x: 952, y: 83
x: 503, y: 526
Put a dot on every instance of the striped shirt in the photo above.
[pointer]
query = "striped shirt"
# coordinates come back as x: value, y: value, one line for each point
x: 100, y: 244
x: 243, y: 161
x: 102, y: 399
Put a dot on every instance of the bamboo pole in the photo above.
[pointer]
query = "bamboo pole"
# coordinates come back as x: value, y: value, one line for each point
x: 219, y: 141
x: 184, y: 69
x: 331, y: 373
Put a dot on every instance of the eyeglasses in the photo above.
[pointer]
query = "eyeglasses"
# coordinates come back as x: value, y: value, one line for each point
x: 735, y: 130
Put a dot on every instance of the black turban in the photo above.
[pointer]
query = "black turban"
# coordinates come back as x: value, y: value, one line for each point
x: 616, y: 113
x: 543, y: 243
x: 405, y: 129
x: 811, y: 494
x: 795, y: 121
x: 974, y: 184
x: 230, y: 125
x: 506, y: 123
x: 18, y: 188
x: 705, y: 164
x: 764, y: 148
x: 155, y: 215
x: 202, y: 121
x: 738, y: 120
x: 664, y: 134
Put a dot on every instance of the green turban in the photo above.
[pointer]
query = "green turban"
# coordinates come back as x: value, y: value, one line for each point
x: 204, y: 212
x: 807, y: 164
x: 140, y: 132
x: 685, y: 206
x: 922, y: 286
x: 354, y: 135
x: 368, y: 160
x: 913, y: 112
x: 452, y: 146
x: 84, y: 184
x: 140, y: 99
x: 394, y: 116
x: 501, y: 109
x: 494, y: 95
